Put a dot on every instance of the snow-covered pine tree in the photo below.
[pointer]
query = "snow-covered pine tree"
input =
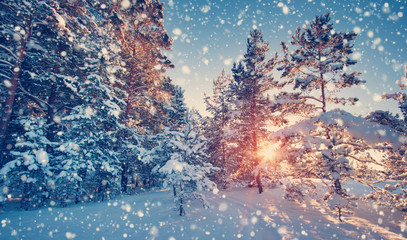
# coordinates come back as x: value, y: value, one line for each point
x: 18, y: 20
x: 176, y: 109
x: 187, y: 168
x: 160, y: 149
x: 329, y: 145
x: 45, y: 90
x: 30, y: 176
x: 155, y: 149
x: 252, y: 80
x: 137, y: 27
x: 179, y: 157
x: 317, y: 68
x: 139, y: 30
x: 16, y: 23
x: 217, y: 129
x: 95, y: 167
x: 93, y: 126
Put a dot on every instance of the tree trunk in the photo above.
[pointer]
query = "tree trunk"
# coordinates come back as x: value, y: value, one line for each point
x: 338, y: 186
x: 50, y: 116
x: 124, y: 177
x: 8, y: 107
x: 130, y: 97
x: 77, y: 195
x: 174, y: 190
x: 322, y: 85
x: 223, y: 170
x: 181, y: 201
x: 255, y: 135
x: 258, y: 181
x: 323, y: 97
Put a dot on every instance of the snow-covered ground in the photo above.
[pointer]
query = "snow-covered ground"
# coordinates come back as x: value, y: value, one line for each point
x: 233, y: 214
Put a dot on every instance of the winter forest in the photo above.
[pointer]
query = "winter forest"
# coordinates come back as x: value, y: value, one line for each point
x: 94, y: 132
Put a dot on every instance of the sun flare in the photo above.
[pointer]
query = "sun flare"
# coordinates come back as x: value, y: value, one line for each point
x: 268, y: 151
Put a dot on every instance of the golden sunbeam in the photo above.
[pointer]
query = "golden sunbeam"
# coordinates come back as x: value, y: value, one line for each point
x: 268, y: 151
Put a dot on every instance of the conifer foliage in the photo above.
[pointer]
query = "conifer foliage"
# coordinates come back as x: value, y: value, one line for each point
x: 319, y: 61
x: 87, y: 112
x: 180, y: 156
x: 83, y: 82
x: 252, y: 79
x: 220, y: 106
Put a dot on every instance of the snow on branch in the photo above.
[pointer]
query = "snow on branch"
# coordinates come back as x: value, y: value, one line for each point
x: 357, y: 127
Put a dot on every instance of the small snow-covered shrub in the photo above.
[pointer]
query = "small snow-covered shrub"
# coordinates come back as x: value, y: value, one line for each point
x: 293, y: 191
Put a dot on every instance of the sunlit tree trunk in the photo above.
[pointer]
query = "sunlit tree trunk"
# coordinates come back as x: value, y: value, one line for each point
x: 258, y: 180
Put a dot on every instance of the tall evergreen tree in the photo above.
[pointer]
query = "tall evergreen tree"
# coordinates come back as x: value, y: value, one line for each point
x: 45, y: 90
x: 177, y: 119
x: 138, y: 29
x: 252, y: 80
x: 220, y: 108
x: 317, y: 67
x: 176, y: 109
x: 17, y: 24
x: 93, y: 124
x: 331, y: 144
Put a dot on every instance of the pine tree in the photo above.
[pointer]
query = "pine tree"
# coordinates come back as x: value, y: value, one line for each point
x: 161, y: 149
x: 92, y: 126
x: 319, y: 63
x: 317, y: 68
x: 220, y: 107
x: 176, y: 109
x: 252, y: 80
x: 330, y: 145
x: 139, y: 30
x: 45, y: 91
x: 187, y: 169
x: 140, y: 82
x: 17, y: 22
x: 179, y: 157
x: 30, y: 175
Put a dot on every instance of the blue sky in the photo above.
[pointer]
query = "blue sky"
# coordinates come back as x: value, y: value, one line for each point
x: 210, y: 35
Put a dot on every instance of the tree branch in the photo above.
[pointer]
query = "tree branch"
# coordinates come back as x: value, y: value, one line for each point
x: 313, y: 98
x: 9, y: 52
